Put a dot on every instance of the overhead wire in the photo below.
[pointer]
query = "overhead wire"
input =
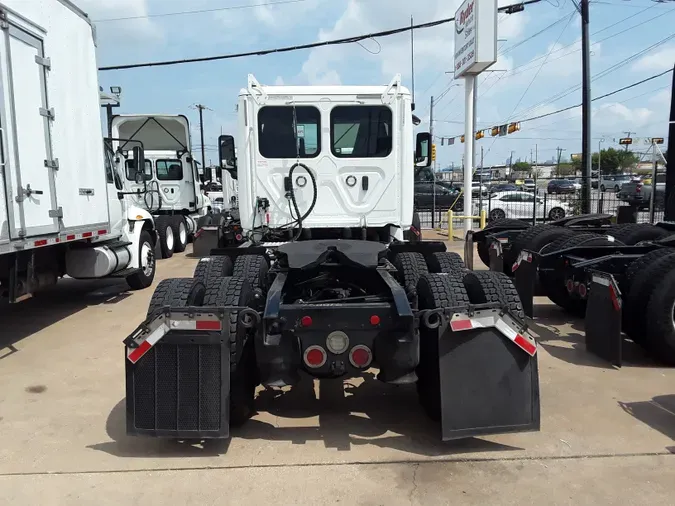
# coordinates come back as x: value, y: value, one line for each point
x: 298, y: 47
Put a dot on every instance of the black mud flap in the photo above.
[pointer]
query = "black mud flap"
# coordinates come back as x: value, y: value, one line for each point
x: 603, y: 318
x: 496, y: 255
x: 526, y: 280
x: 468, y: 250
x: 489, y: 377
x: 205, y: 240
x: 178, y: 375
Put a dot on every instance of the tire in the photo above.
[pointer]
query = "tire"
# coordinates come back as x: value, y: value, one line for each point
x: 410, y: 265
x: 215, y: 267
x: 557, y: 213
x: 533, y: 238
x: 252, y: 267
x: 146, y: 254
x: 482, y: 247
x: 638, y: 265
x: 635, y: 304
x: 602, y: 188
x: 633, y: 233
x: 660, y: 335
x: 487, y: 286
x: 616, y: 188
x: 180, y: 234
x: 553, y: 283
x: 243, y: 373
x: 177, y: 292
x: 166, y: 237
x: 497, y: 215
x: 435, y: 291
x: 446, y: 261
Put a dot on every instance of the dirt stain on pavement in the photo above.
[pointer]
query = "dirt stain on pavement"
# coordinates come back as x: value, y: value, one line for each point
x: 36, y: 389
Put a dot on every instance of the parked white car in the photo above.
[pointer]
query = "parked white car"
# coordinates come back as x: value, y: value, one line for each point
x: 521, y: 205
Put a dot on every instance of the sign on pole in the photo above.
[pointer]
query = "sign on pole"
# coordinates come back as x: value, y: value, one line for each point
x: 475, y: 36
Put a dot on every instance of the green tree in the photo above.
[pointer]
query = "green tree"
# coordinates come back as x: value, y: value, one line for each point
x: 566, y: 169
x: 521, y: 167
x: 612, y: 161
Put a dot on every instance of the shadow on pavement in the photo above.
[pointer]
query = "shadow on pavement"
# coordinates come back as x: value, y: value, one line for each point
x: 659, y: 413
x: 571, y: 346
x: 48, y: 307
x: 343, y: 415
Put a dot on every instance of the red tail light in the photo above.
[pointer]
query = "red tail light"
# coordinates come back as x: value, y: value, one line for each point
x: 360, y: 356
x: 306, y: 321
x: 238, y: 237
x: 315, y: 356
x: 374, y: 320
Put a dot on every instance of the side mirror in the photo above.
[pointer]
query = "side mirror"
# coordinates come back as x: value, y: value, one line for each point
x: 139, y: 163
x: 423, y: 150
x: 208, y: 174
x: 219, y: 174
x: 228, y: 157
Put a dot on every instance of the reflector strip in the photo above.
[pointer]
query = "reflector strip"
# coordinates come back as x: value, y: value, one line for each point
x: 525, y: 345
x: 87, y: 234
x: 458, y: 325
x: 208, y: 325
x: 521, y: 341
x: 614, y: 297
x: 70, y: 238
x: 136, y: 354
x: 43, y: 242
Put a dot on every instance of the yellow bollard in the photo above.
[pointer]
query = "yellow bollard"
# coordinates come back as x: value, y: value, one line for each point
x: 483, y: 218
x: 451, y: 234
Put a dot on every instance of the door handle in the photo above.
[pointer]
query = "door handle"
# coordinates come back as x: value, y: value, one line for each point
x: 364, y: 183
x: 26, y: 193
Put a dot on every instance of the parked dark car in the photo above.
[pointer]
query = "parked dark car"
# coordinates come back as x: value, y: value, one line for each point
x: 560, y: 186
x: 446, y: 196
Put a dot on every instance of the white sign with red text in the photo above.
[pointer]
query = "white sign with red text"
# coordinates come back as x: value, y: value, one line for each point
x: 475, y: 36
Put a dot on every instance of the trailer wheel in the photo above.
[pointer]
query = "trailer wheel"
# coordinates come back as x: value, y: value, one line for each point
x: 243, y: 375
x: 660, y: 316
x: 180, y: 234
x: 446, y: 261
x: 252, y: 267
x: 166, y: 236
x: 177, y: 292
x: 215, y: 267
x: 488, y: 286
x: 534, y: 238
x: 633, y: 233
x: 146, y: 255
x: 636, y: 303
x: 410, y: 265
x: 435, y: 291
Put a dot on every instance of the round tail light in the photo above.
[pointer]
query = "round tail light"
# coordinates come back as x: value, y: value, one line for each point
x: 570, y: 285
x: 360, y: 356
x: 315, y: 356
x: 337, y: 342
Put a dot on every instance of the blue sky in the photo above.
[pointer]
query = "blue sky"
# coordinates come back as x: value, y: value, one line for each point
x: 547, y: 65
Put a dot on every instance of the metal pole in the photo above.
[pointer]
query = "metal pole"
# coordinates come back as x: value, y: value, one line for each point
x: 480, y: 190
x: 468, y: 147
x: 201, y: 132
x: 599, y: 155
x: 412, y: 59
x: 109, y: 114
x: 586, y: 156
x: 670, y: 163
x: 433, y: 165
x: 652, y: 196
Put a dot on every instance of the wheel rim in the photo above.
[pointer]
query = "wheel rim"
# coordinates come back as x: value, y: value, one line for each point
x: 147, y: 259
x: 182, y: 233
x: 497, y: 214
x: 169, y: 238
x: 557, y: 214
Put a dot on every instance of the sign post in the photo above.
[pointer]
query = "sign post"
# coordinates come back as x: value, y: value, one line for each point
x: 475, y: 51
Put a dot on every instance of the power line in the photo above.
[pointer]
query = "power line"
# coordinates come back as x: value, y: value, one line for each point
x: 200, y: 11
x: 346, y: 40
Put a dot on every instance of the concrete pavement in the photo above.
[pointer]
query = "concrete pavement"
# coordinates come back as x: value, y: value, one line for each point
x: 606, y: 436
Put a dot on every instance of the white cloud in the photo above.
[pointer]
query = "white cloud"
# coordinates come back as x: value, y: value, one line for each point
x: 660, y: 60
x: 124, y: 32
x: 279, y: 81
x: 616, y: 113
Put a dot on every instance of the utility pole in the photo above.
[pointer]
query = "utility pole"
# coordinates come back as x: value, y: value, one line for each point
x: 433, y: 162
x: 628, y: 135
x: 670, y: 163
x: 412, y: 60
x: 560, y: 150
x: 586, y: 155
x: 201, y: 108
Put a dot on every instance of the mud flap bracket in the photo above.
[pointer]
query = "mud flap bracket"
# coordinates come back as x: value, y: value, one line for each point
x: 525, y: 268
x: 603, y: 318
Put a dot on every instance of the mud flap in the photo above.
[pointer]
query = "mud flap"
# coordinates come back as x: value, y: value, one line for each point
x: 489, y: 376
x: 468, y: 250
x: 496, y: 255
x: 178, y: 375
x: 205, y: 240
x: 526, y: 280
x: 603, y: 318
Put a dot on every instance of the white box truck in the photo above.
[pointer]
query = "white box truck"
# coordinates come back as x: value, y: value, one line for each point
x: 62, y: 204
x: 168, y: 186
